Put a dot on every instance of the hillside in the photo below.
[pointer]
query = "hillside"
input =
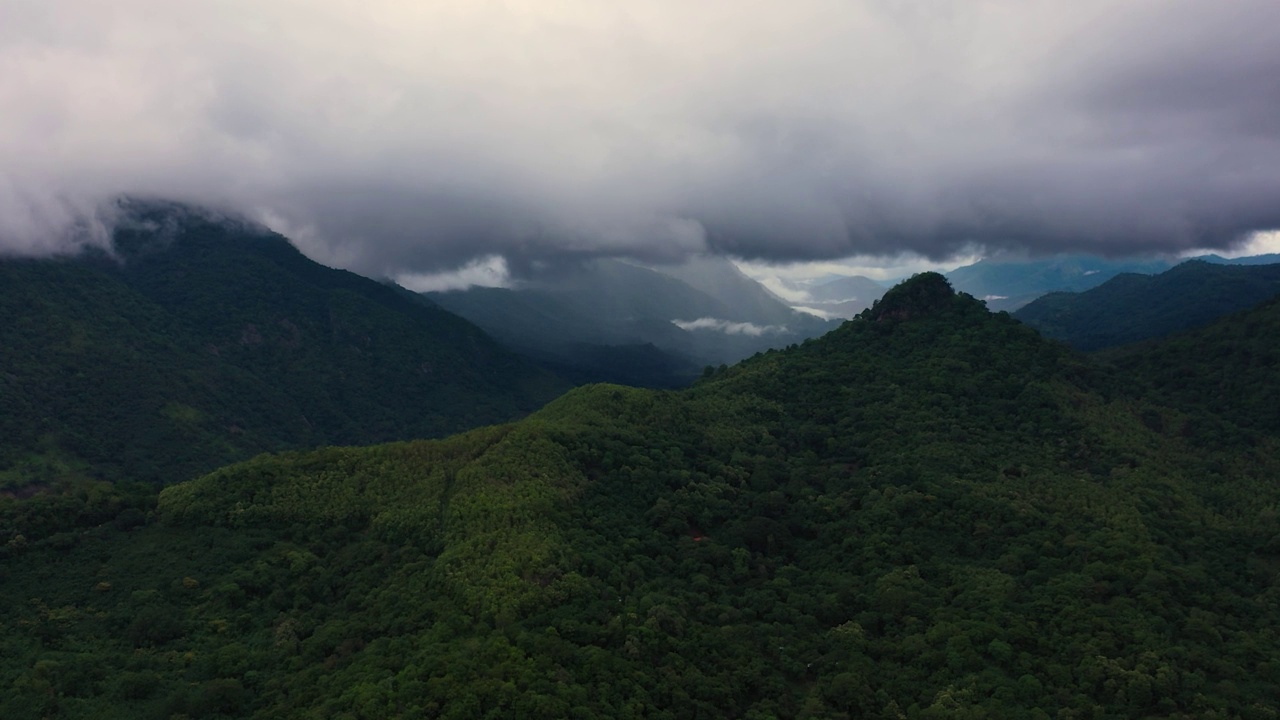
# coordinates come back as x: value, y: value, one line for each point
x: 1223, y: 377
x: 1129, y: 308
x: 929, y: 512
x: 206, y: 340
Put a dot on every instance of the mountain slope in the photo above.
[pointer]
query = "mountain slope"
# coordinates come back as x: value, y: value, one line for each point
x: 1129, y: 308
x: 929, y: 512
x: 1224, y: 377
x: 208, y: 341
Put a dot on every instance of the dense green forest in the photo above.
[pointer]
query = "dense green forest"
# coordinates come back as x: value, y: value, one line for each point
x: 1223, y: 376
x: 930, y: 512
x: 1132, y: 307
x: 202, y: 340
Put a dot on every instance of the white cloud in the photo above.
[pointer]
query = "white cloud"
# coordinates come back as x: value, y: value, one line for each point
x: 1259, y: 243
x: 728, y: 327
x: 824, y: 314
x: 484, y: 272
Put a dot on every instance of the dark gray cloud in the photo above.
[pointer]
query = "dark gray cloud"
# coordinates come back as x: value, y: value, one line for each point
x: 400, y: 138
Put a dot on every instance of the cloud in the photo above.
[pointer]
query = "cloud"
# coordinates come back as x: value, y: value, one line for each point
x: 816, y: 312
x: 728, y: 327
x: 489, y: 271
x: 413, y: 138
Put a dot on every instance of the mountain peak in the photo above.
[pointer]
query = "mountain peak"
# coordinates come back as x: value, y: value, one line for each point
x: 922, y: 294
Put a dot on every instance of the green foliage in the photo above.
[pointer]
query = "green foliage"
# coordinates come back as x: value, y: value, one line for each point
x: 1224, y: 378
x: 204, y: 342
x: 930, y: 512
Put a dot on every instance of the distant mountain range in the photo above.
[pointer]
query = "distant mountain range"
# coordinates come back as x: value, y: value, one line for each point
x: 704, y: 313
x: 842, y: 297
x: 1003, y: 284
x: 1268, y: 259
x: 1131, y: 307
x: 206, y: 340
x: 1010, y: 284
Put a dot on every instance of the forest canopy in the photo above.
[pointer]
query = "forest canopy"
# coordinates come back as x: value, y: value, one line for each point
x: 929, y: 512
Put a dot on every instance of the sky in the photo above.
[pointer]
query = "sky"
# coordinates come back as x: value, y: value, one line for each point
x: 466, y: 138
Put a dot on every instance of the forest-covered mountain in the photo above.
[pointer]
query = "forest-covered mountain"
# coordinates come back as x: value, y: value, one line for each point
x: 1223, y: 376
x: 569, y: 316
x: 1129, y: 308
x: 930, y: 512
x: 204, y: 340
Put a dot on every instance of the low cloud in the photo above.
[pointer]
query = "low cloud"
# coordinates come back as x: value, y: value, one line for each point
x: 816, y: 312
x: 413, y: 138
x: 728, y: 327
x: 484, y: 272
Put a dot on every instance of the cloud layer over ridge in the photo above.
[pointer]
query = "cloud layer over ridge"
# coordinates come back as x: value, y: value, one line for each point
x: 395, y: 137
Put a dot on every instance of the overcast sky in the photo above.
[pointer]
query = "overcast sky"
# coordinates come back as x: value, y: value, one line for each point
x: 398, y: 137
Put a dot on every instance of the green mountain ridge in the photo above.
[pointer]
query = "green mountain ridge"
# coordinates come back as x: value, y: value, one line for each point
x: 929, y: 512
x: 205, y: 340
x: 1131, y: 307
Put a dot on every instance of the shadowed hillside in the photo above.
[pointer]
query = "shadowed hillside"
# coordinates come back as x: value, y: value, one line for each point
x: 1130, y: 307
x: 205, y: 340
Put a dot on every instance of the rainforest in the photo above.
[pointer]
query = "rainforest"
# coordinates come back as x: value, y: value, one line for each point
x: 929, y: 512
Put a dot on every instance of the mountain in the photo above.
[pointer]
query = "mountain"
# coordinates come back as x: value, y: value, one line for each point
x: 561, y: 317
x: 1010, y: 284
x: 1129, y: 308
x: 928, y: 512
x: 205, y: 340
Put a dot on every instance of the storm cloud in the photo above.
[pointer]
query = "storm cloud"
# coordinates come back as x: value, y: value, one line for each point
x: 397, y: 138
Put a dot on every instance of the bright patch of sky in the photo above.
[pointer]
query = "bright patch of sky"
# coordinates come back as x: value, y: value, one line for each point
x: 1260, y: 243
x: 788, y: 281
